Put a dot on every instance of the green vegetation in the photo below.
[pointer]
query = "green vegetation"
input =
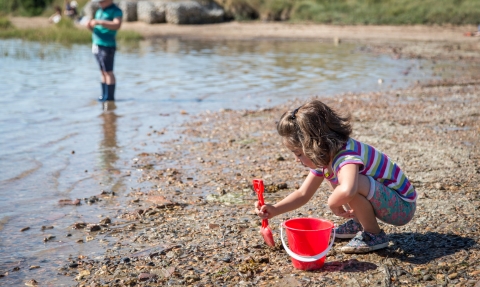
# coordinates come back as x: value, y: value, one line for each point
x: 339, y: 12
x: 5, y: 24
x: 64, y: 32
x: 378, y: 12
x: 24, y: 7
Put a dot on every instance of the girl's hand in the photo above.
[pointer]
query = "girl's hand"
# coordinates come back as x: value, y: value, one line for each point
x: 340, y: 211
x: 267, y: 211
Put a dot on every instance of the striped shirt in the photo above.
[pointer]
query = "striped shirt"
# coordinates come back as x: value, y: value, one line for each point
x: 372, y: 163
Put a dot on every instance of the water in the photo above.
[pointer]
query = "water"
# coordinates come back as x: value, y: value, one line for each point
x: 57, y: 142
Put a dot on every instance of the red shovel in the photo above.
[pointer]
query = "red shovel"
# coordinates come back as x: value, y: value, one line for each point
x: 265, y: 230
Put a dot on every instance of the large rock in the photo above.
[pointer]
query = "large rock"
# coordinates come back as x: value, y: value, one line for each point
x: 129, y: 9
x: 194, y: 12
x: 171, y: 11
x: 151, y: 12
x: 89, y: 9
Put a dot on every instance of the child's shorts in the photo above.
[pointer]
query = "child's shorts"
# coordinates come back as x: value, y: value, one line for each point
x: 104, y: 56
x: 389, y: 207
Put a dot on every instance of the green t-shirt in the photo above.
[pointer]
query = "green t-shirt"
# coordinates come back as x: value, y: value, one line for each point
x: 102, y: 36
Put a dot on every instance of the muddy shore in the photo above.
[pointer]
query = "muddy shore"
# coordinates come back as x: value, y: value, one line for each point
x: 191, y: 222
x: 195, y: 224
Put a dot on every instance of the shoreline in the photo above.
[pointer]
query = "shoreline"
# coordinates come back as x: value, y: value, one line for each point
x: 427, y: 42
x: 256, y: 30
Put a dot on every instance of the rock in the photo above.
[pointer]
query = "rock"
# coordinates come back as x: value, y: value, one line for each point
x: 24, y: 229
x: 213, y: 226
x: 452, y: 276
x: 192, y: 12
x: 79, y: 225
x: 151, y: 12
x: 92, y: 199
x: 160, y: 200
x: 31, y: 282
x: 93, y: 227
x: 48, y: 238
x: 82, y: 274
x: 282, y: 185
x: 105, y: 221
x: 227, y: 259
x: 146, y: 276
x: 129, y: 9
x: 69, y: 202
x: 439, y: 186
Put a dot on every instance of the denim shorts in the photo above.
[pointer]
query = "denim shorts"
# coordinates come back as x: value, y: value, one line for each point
x: 389, y: 207
x: 104, y: 56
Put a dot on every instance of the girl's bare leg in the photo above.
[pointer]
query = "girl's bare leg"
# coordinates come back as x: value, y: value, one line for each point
x: 363, y: 209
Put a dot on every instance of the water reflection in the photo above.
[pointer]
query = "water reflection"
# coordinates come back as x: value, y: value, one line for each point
x: 108, y: 145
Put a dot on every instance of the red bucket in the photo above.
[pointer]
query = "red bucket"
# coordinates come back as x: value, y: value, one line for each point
x: 308, y: 239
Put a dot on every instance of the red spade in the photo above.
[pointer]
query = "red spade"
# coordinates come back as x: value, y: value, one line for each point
x: 265, y: 230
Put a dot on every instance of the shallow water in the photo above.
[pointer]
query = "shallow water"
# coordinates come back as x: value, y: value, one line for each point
x: 57, y: 142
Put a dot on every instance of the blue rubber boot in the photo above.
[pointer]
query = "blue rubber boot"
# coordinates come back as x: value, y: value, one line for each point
x: 104, y: 93
x: 110, y: 93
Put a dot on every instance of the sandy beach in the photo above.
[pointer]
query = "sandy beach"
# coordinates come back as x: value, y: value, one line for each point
x: 195, y: 225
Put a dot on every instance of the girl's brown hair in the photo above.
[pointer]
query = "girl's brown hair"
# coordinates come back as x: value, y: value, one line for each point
x: 316, y: 129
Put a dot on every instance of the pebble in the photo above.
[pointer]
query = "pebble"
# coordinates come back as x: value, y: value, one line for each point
x: 48, y: 238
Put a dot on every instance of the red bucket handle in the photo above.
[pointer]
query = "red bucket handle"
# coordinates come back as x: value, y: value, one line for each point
x: 306, y: 258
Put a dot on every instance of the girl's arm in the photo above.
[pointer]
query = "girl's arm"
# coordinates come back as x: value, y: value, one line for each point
x: 294, y: 200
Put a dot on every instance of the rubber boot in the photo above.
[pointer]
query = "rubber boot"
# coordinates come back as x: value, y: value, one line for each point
x: 104, y: 93
x: 110, y: 93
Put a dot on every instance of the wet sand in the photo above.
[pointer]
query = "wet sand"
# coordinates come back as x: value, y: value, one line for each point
x: 195, y: 225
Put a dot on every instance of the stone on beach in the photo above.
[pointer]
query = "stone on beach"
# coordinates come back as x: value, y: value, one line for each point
x: 151, y: 12
x: 169, y: 11
x: 129, y: 9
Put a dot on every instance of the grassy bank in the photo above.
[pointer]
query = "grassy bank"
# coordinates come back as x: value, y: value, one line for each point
x: 379, y: 12
x: 64, y: 32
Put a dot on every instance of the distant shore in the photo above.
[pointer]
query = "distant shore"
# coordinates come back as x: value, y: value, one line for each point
x: 282, y: 30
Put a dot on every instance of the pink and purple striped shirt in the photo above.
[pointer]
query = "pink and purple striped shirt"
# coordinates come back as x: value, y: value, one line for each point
x: 372, y: 163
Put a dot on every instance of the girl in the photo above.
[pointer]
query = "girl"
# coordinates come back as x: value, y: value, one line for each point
x: 366, y: 183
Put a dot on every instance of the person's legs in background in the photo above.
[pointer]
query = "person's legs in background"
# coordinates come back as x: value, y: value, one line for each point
x: 105, y: 57
x: 109, y: 85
